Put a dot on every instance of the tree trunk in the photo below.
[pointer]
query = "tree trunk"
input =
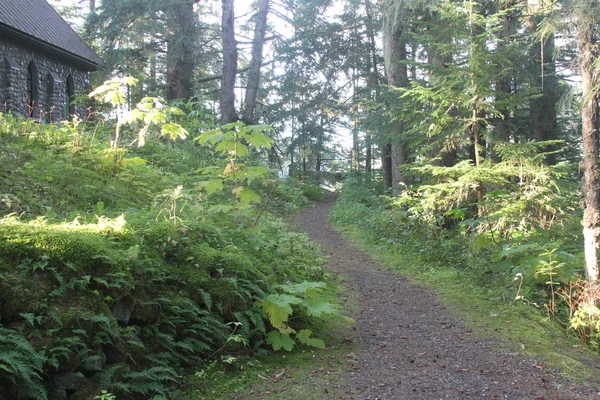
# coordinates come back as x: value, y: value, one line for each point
x: 386, y: 165
x: 320, y: 147
x: 442, y: 149
x: 503, y: 85
x: 355, y: 139
x: 260, y: 28
x: 372, y: 79
x: 181, y: 50
x: 542, y: 110
x: 394, y: 48
x: 230, y: 56
x: 591, y: 172
x: 477, y: 141
x: 153, y: 83
x: 400, y: 156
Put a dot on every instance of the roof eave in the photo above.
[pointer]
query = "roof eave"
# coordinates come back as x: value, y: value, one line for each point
x: 25, y: 38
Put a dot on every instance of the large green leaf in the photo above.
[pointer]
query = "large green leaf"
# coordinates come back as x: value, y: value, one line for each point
x: 318, y: 307
x: 231, y: 126
x: 278, y: 307
x: 226, y: 146
x: 279, y: 341
x: 173, y: 131
x: 212, y: 186
x: 304, y: 337
x: 309, y: 289
x: 247, y: 196
x: 212, y: 137
x: 258, y: 139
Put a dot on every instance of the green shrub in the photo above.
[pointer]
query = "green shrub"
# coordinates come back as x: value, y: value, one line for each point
x: 312, y: 192
x: 148, y: 278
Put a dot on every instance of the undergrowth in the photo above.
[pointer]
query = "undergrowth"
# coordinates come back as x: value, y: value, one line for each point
x: 118, y: 270
x: 513, y: 285
x: 275, y: 376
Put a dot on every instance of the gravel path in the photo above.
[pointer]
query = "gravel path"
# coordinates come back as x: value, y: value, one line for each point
x: 411, y: 348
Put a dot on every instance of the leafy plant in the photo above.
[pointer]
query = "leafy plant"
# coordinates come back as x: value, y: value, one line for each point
x: 234, y: 141
x: 104, y: 395
x: 149, y: 111
x: 113, y: 92
x: 21, y: 364
x: 280, y: 306
x: 91, y: 282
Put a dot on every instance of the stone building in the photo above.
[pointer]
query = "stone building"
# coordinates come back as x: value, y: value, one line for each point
x: 43, y: 61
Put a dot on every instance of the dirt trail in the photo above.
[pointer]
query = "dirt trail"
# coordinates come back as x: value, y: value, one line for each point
x: 411, y: 348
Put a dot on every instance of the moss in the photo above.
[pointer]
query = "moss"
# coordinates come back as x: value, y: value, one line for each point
x: 205, y: 257
x: 83, y: 312
x: 22, y: 294
x: 70, y: 251
x: 66, y: 274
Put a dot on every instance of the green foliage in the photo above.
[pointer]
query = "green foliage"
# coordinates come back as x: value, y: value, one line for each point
x: 234, y: 141
x: 21, y: 364
x: 586, y: 322
x: 516, y: 244
x: 125, y: 281
x: 149, y: 111
x: 545, y: 263
x: 312, y: 192
x: 280, y: 307
x: 466, y: 272
x: 113, y: 90
x: 104, y: 395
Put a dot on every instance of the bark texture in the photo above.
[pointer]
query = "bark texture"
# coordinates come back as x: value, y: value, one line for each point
x: 504, y: 82
x: 542, y: 110
x: 372, y: 78
x: 260, y: 29
x: 442, y: 149
x: 386, y: 165
x: 181, y: 50
x: 591, y: 172
x: 230, y: 56
x: 394, y: 48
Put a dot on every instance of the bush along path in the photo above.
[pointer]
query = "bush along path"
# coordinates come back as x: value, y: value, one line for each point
x: 412, y: 348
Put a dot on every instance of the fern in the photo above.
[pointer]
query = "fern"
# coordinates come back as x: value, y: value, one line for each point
x: 21, y: 364
x: 31, y: 319
x: 244, y: 323
x: 206, y: 298
x: 150, y: 381
x: 258, y: 316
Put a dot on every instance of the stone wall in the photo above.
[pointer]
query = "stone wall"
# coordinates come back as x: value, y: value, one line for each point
x: 52, y: 80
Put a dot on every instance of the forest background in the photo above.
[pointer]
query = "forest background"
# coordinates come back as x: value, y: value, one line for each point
x: 473, y: 128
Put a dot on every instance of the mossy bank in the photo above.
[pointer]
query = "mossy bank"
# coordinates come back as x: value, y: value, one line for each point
x: 117, y: 281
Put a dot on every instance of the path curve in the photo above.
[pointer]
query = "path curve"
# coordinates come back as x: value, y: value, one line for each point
x: 411, y: 348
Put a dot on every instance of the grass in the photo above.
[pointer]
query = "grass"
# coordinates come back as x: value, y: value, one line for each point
x: 515, y: 326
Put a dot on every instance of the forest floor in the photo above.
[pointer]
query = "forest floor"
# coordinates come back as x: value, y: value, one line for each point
x: 411, y: 347
x: 405, y: 343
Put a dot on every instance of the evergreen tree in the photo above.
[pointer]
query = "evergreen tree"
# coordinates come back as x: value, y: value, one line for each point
x: 395, y: 34
x: 587, y: 15
x: 156, y: 42
x: 230, y: 60
x: 258, y: 42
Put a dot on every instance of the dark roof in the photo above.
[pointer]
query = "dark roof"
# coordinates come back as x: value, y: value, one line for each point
x: 36, y: 23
